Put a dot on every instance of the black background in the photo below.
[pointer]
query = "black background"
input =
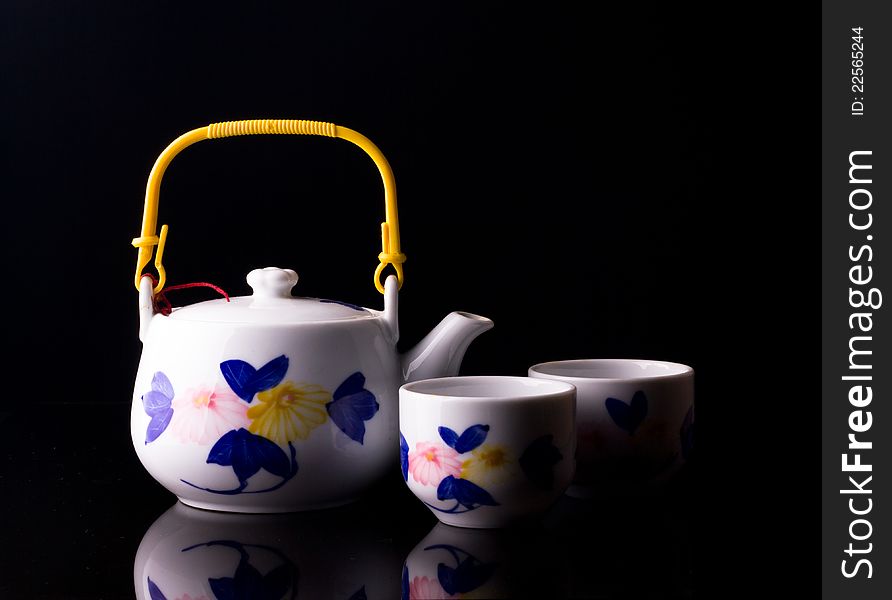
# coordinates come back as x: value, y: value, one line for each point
x: 601, y: 181
x: 555, y: 171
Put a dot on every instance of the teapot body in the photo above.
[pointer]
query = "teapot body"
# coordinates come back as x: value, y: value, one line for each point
x: 266, y: 418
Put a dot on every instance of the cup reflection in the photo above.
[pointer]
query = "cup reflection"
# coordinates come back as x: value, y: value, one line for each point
x: 452, y: 562
x: 191, y: 554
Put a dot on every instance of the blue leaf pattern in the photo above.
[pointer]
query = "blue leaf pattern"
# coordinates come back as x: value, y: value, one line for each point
x: 158, y: 424
x: 628, y: 416
x: 246, y: 381
x: 221, y: 453
x: 446, y: 489
x: 448, y: 436
x: 404, y: 457
x: 468, y: 494
x: 156, y: 404
x: 248, y: 583
x: 154, y: 591
x: 271, y: 457
x: 351, y: 406
x: 467, y: 575
x: 223, y: 588
x: 472, y: 437
x: 160, y: 383
x: 446, y: 577
x: 404, y: 583
x: 247, y: 453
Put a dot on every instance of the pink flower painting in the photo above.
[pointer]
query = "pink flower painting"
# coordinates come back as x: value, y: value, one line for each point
x: 423, y: 588
x: 431, y: 462
x: 202, y: 415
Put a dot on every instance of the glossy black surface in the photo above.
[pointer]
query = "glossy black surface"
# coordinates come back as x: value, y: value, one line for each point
x: 77, y: 504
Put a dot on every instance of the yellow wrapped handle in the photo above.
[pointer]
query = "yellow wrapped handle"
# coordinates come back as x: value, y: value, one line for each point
x: 390, y: 231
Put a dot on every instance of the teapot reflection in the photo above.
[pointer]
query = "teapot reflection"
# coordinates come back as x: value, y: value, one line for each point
x: 191, y: 554
x: 452, y: 562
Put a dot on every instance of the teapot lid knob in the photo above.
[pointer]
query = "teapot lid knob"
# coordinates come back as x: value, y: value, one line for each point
x: 272, y: 282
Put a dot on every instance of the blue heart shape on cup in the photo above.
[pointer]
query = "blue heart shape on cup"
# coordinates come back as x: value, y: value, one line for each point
x: 628, y: 416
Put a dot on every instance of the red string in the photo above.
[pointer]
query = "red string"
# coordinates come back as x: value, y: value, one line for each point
x: 162, y: 304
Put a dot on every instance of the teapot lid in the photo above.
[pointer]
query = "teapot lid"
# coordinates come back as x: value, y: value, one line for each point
x: 271, y: 303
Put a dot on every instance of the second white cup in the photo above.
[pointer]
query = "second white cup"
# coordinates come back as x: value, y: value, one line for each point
x: 635, y: 421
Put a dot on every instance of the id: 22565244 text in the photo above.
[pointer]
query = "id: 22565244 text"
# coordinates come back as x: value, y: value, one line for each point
x: 857, y: 72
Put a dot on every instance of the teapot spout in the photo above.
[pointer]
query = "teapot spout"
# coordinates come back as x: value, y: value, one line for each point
x: 441, y: 351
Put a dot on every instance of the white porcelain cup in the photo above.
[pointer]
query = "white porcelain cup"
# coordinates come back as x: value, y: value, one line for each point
x: 635, y: 421
x: 487, y: 451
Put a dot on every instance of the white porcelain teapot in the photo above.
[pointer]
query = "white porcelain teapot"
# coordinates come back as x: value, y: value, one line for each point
x: 269, y: 402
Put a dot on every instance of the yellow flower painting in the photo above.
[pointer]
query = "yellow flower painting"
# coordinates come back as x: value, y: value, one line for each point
x: 289, y: 411
x: 489, y: 464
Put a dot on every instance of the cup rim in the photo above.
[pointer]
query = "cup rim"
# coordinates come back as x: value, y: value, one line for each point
x: 439, y: 387
x: 678, y: 370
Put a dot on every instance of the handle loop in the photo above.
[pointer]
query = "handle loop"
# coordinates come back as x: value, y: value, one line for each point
x: 390, y: 232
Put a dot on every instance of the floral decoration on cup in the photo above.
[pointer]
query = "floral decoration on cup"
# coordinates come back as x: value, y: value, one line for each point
x: 461, y: 467
x: 440, y: 464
